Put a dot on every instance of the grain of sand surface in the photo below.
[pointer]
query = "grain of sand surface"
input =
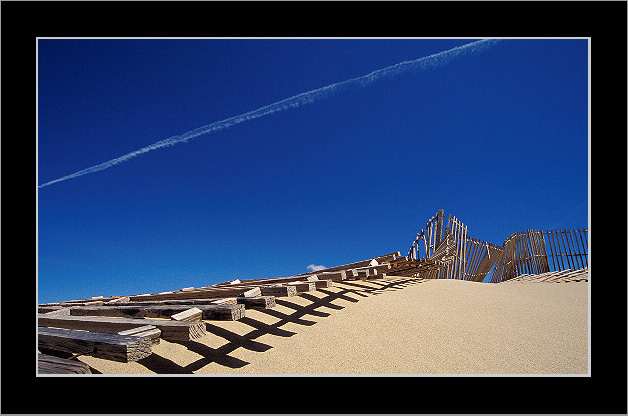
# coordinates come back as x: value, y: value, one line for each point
x: 392, y: 326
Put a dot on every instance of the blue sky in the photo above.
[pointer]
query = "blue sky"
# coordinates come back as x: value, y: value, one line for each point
x: 498, y: 138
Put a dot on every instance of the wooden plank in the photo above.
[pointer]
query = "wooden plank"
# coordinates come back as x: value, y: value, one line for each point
x: 322, y: 284
x: 555, y: 257
x: 363, y: 273
x: 46, y: 309
x: 47, y: 364
x: 190, y: 315
x: 474, y: 252
x: 533, y: 252
x: 439, y: 226
x: 333, y: 276
x: 302, y: 286
x: 351, y: 273
x: 122, y: 348
x: 80, y: 301
x: 565, y: 251
x: 464, y: 252
x: 576, y: 249
x: 227, y: 301
x: 118, y: 300
x: 202, y: 293
x: 373, y: 270
x: 74, y: 303
x: 377, y: 276
x: 210, y: 312
x: 279, y: 291
x: 147, y: 331
x: 585, y: 245
x: 257, y: 302
x: 549, y: 248
x: 211, y: 301
x: 170, y: 330
x: 60, y: 311
x: 274, y: 280
x: 571, y: 251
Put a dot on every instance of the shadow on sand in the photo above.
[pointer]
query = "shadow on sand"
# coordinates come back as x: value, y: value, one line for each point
x: 351, y: 291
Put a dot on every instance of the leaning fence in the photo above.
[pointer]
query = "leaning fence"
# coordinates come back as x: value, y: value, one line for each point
x: 464, y: 257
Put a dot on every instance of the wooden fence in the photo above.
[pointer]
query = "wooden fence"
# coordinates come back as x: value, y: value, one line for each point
x: 537, y: 251
x: 464, y: 257
x: 125, y: 328
x: 461, y: 255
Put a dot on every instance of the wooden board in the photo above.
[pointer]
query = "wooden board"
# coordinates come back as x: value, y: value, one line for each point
x: 203, y: 293
x: 118, y: 300
x: 333, y: 276
x: 322, y: 284
x: 147, y: 331
x: 48, y: 309
x: 47, y: 364
x: 212, y: 301
x: 122, y: 348
x: 257, y: 302
x: 274, y: 280
x: 58, y: 311
x: 279, y: 291
x: 302, y: 286
x: 190, y: 315
x: 170, y: 330
x: 210, y: 312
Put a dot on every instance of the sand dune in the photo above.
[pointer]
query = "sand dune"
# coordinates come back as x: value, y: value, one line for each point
x: 395, y: 325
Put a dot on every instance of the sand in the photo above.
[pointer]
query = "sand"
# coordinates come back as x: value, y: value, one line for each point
x: 392, y: 326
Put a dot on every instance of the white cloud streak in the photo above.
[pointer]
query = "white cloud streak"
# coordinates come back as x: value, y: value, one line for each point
x: 295, y: 101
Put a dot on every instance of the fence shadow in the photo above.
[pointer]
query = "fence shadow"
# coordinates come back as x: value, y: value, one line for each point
x: 303, y: 315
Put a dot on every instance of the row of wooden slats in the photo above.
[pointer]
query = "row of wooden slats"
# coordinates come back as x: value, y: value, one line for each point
x: 124, y: 328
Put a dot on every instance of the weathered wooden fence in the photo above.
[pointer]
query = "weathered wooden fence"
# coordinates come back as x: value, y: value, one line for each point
x: 537, y: 251
x: 464, y: 257
x: 461, y: 255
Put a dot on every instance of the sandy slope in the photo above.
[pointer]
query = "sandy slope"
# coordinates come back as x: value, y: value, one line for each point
x: 392, y: 326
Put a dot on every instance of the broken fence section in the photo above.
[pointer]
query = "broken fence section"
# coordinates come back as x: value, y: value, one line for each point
x: 464, y: 257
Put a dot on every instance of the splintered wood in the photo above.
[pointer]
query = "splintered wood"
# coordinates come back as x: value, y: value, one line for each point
x: 48, y: 364
x: 123, y: 348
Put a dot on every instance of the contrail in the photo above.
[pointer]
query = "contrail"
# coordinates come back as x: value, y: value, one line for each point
x: 295, y: 101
